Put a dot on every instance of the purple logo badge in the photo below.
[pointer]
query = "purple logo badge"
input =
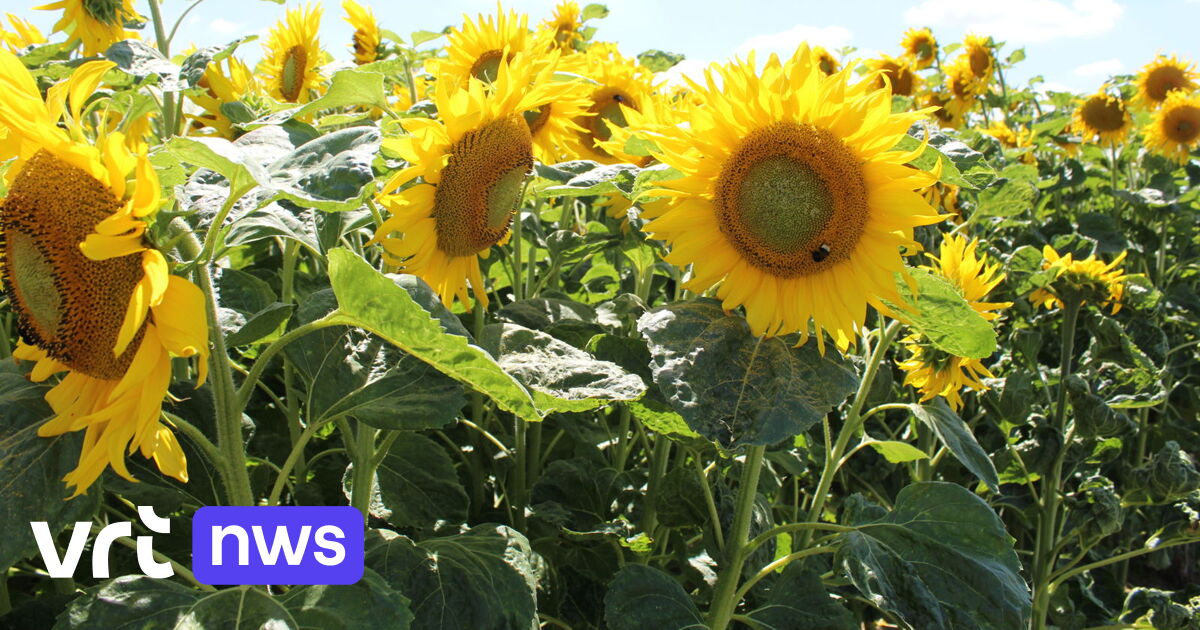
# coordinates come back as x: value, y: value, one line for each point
x: 277, y: 545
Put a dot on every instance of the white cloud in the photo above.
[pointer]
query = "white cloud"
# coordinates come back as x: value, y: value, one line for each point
x: 1103, y: 68
x: 225, y: 27
x: 1020, y: 21
x: 691, y: 68
x: 785, y: 42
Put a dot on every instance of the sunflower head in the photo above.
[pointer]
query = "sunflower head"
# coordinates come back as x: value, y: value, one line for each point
x: 1102, y: 117
x: 1087, y: 281
x: 366, y: 32
x: 791, y: 197
x: 826, y: 62
x: 223, y: 82
x: 979, y: 53
x: 945, y: 115
x: 564, y: 26
x: 896, y: 74
x: 292, y: 56
x: 934, y: 372
x: 1174, y: 129
x: 920, y: 47
x: 1164, y: 75
x: 23, y: 35
x: 475, y: 49
x: 620, y: 86
x: 962, y: 88
x: 98, y: 24
x: 970, y: 272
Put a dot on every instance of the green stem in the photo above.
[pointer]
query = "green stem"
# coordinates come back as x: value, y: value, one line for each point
x: 5, y: 602
x: 519, y: 492
x: 202, y: 442
x: 208, y: 251
x: 264, y: 359
x: 363, y: 475
x: 179, y: 20
x: 793, y: 527
x: 1048, y: 523
x: 180, y: 569
x: 854, y: 420
x: 293, y: 457
x: 1066, y: 575
x: 714, y: 516
x: 170, y: 125
x: 779, y: 564
x: 658, y: 469
x: 725, y: 600
x: 625, y: 438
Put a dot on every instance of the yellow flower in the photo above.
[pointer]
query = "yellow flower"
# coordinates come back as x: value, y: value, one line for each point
x: 620, y: 85
x: 223, y: 82
x: 91, y: 297
x: 944, y: 197
x: 899, y: 75
x: 1012, y: 139
x: 935, y: 372
x: 825, y: 60
x: 977, y: 49
x: 1092, y: 280
x: 473, y: 162
x: 23, y: 35
x: 564, y: 26
x: 942, y: 112
x: 1102, y: 117
x: 292, y: 56
x: 1164, y: 75
x: 792, y: 198
x: 366, y: 32
x: 97, y: 23
x: 1174, y: 129
x: 962, y: 86
x: 921, y: 46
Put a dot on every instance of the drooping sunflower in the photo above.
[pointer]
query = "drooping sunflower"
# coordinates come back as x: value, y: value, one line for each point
x: 223, y: 82
x: 1164, y: 75
x: 944, y: 197
x: 292, y: 56
x: 961, y: 85
x: 620, y: 85
x: 945, y: 115
x: 91, y: 298
x: 1092, y: 280
x: 1174, y: 129
x: 1102, y: 117
x: 921, y: 46
x: 477, y: 47
x: 366, y: 32
x: 1010, y: 138
x: 472, y: 162
x: 977, y: 49
x: 98, y: 24
x: 564, y: 26
x: 23, y: 35
x: 899, y: 75
x: 935, y: 372
x: 791, y: 197
x: 826, y: 62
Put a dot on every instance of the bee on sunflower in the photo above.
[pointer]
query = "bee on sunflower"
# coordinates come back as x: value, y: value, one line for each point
x: 23, y: 35
x: 292, y: 56
x: 920, y: 46
x: 1174, y: 128
x: 367, y: 39
x: 1102, y: 118
x: 898, y: 74
x: 1089, y: 280
x: 792, y: 198
x: 472, y: 162
x: 1163, y: 76
x: 826, y: 62
x: 935, y: 372
x: 620, y: 85
x: 97, y: 24
x: 93, y: 300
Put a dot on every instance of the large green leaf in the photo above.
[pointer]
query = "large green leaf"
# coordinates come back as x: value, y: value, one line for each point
x: 486, y: 577
x: 939, y: 312
x: 797, y: 600
x: 32, y: 468
x: 961, y: 165
x: 331, y: 173
x: 135, y: 602
x: 416, y: 485
x: 602, y: 179
x: 352, y: 87
x: 642, y: 597
x: 562, y: 377
x: 956, y: 435
x: 222, y: 157
x: 940, y: 560
x: 736, y: 388
x: 369, y: 300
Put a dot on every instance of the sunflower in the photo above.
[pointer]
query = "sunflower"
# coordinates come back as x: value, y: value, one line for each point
x: 23, y: 35
x: 90, y: 297
x: 898, y: 73
x: 1104, y: 117
x: 223, y: 82
x: 1174, y: 130
x: 791, y: 197
x: 292, y: 55
x: 98, y: 24
x: 935, y: 372
x: 961, y: 86
x: 1090, y: 279
x: 477, y: 47
x: 946, y: 115
x: 473, y: 162
x: 620, y: 85
x: 944, y: 197
x: 1163, y: 76
x: 977, y: 50
x: 366, y: 32
x: 825, y: 60
x: 921, y: 46
x: 564, y: 26
x: 1010, y: 138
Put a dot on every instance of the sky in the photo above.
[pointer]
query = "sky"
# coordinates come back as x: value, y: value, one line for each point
x: 1074, y: 44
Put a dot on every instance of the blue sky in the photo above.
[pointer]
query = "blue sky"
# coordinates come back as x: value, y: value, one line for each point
x: 1074, y: 44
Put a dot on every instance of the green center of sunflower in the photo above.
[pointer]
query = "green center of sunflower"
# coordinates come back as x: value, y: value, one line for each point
x: 291, y: 79
x: 487, y: 67
x: 924, y: 50
x: 606, y: 110
x: 537, y: 118
x: 481, y: 186
x: 66, y: 304
x: 109, y: 12
x: 792, y: 199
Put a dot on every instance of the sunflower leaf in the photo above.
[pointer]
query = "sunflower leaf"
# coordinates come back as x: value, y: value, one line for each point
x: 956, y: 435
x: 641, y: 596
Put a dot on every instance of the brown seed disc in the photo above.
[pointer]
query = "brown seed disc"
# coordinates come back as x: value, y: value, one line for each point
x: 606, y: 107
x: 1163, y: 79
x: 1103, y: 113
x: 1182, y: 124
x: 291, y: 80
x: 487, y: 67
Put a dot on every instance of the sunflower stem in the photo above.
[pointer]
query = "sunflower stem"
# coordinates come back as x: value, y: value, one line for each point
x: 1043, y: 560
x: 264, y: 358
x: 291, y: 251
x: 170, y: 125
x: 5, y: 602
x: 362, y: 476
x: 293, y: 458
x: 725, y: 596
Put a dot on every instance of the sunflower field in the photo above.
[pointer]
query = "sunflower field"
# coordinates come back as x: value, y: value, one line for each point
x: 817, y: 341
